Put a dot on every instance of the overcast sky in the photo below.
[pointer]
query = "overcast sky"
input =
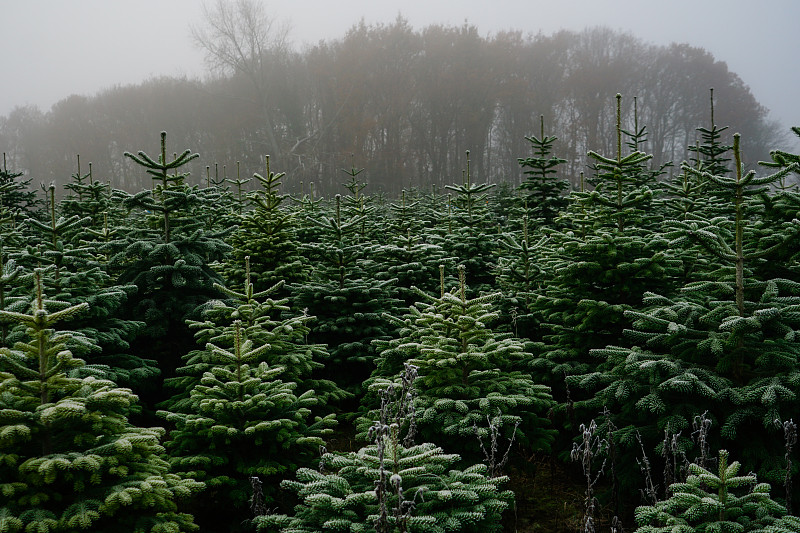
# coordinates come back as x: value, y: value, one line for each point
x: 51, y: 49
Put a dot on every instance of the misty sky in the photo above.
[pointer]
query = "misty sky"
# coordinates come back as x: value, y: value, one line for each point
x: 54, y: 48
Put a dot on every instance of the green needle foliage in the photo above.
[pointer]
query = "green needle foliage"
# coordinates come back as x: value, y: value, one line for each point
x: 708, y: 502
x: 471, y: 377
x: 69, y: 459
x: 393, y: 485
x: 469, y: 234
x: 266, y: 234
x: 16, y: 194
x: 241, y: 420
x: 349, y: 301
x: 543, y: 193
x: 725, y: 341
x: 269, y: 325
x: 166, y: 253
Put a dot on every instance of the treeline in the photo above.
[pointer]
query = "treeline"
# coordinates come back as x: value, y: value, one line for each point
x: 403, y: 103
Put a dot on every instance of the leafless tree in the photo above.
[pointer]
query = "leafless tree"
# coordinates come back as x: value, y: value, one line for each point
x: 241, y: 38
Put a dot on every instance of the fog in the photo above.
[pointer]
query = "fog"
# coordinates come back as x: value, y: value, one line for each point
x: 53, y: 49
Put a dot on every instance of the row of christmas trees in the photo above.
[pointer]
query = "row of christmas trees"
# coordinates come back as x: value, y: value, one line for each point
x: 257, y: 328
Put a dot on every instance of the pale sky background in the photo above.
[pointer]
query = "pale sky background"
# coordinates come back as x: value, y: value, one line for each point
x: 50, y: 49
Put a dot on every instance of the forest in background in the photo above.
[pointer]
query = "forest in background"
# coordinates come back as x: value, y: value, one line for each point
x: 404, y: 104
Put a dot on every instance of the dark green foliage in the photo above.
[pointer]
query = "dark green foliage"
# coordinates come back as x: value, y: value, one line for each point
x: 266, y: 234
x: 543, y: 193
x: 69, y: 459
x: 348, y: 301
x: 16, y: 195
x: 166, y: 254
x: 469, y: 235
x: 470, y: 377
x: 393, y: 485
x: 708, y: 502
x: 710, y: 155
x: 241, y: 420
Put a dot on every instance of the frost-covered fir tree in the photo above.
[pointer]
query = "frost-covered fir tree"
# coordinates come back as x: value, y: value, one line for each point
x: 166, y: 252
x: 467, y: 232
x: 270, y: 325
x: 69, y: 458
x: 74, y: 272
x: 725, y: 341
x: 393, y: 485
x: 16, y: 194
x: 543, y: 193
x: 597, y: 268
x: 471, y: 378
x: 266, y: 234
x: 708, y: 501
x: 347, y: 300
x: 242, y: 420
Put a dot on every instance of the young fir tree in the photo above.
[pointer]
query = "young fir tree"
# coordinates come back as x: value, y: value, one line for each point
x: 596, y: 270
x: 87, y: 198
x: 520, y: 275
x: 69, y: 458
x: 266, y: 234
x: 242, y: 419
x: 347, y: 300
x: 706, y: 502
x: 393, y: 485
x: 711, y: 154
x: 543, y: 193
x: 16, y: 194
x: 470, y: 377
x: 167, y: 255
x: 407, y: 254
x: 467, y: 231
x: 265, y: 321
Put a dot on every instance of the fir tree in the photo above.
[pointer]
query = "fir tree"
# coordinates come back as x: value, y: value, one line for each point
x: 711, y: 154
x: 471, y: 377
x: 468, y: 235
x: 543, y: 192
x: 266, y: 235
x: 347, y: 300
x: 167, y: 255
x: 15, y: 194
x: 393, y: 485
x: 70, y: 459
x: 270, y: 325
x: 241, y: 420
x: 725, y: 341
x: 723, y: 501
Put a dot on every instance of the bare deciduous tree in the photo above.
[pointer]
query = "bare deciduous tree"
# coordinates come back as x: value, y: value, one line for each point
x: 241, y: 38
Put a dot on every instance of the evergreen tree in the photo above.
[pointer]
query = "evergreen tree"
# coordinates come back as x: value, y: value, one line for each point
x: 596, y: 270
x: 16, y: 195
x: 266, y: 235
x: 69, y: 458
x: 87, y: 198
x: 75, y: 273
x: 468, y: 235
x: 241, y: 420
x: 725, y: 341
x: 167, y: 255
x: 270, y: 325
x: 543, y: 192
x: 471, y: 377
x: 711, y: 154
x: 393, y: 485
x: 709, y: 502
x: 347, y: 300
